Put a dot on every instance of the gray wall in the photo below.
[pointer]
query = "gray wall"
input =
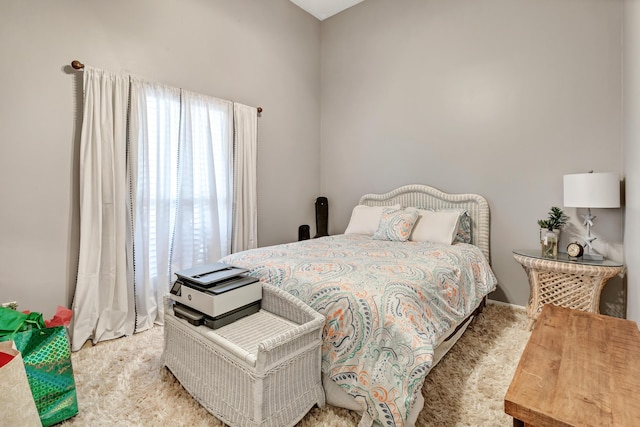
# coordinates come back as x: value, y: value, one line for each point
x: 496, y: 97
x: 251, y: 51
x: 632, y: 153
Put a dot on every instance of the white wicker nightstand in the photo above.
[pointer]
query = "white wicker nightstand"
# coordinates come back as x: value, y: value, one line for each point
x: 260, y: 371
x: 572, y: 283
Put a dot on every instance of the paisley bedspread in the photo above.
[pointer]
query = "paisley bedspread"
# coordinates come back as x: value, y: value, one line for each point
x: 386, y: 304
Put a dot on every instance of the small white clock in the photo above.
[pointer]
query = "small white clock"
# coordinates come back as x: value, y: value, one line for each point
x: 575, y: 250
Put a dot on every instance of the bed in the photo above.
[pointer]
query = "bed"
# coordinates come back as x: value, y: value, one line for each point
x: 393, y: 303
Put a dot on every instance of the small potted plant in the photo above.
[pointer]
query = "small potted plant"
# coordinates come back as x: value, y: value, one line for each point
x: 556, y: 220
x: 550, y: 231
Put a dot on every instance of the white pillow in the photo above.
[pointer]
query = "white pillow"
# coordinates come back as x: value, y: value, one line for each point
x: 435, y: 226
x: 365, y: 219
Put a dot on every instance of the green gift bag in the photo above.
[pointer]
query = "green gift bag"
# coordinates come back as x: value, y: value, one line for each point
x: 47, y: 360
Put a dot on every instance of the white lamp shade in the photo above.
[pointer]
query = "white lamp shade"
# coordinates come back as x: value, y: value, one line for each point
x: 592, y: 190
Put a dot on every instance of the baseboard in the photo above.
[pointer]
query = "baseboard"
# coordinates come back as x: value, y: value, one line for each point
x: 492, y: 301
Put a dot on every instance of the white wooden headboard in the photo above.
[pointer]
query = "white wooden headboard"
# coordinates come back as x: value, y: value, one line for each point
x: 425, y: 197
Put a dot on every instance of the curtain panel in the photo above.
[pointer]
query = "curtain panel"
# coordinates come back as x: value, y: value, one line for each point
x: 103, y: 306
x: 245, y: 195
x: 160, y: 198
x: 154, y: 134
x: 203, y: 218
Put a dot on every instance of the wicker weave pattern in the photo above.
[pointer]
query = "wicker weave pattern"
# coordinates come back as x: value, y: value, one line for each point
x: 576, y: 286
x: 423, y: 196
x: 282, y: 386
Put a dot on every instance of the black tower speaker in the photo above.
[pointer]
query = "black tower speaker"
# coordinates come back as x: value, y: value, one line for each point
x: 304, y: 232
x: 322, y: 217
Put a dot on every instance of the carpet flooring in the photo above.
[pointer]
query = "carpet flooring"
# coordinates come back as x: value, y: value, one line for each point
x: 122, y: 383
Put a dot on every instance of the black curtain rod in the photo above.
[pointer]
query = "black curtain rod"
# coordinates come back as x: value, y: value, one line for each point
x: 77, y: 65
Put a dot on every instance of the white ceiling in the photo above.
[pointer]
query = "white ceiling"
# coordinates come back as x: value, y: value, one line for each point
x: 323, y: 9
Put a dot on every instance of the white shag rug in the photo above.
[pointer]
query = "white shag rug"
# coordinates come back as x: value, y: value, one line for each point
x: 122, y: 383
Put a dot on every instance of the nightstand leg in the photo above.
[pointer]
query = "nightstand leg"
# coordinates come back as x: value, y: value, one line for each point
x: 531, y: 323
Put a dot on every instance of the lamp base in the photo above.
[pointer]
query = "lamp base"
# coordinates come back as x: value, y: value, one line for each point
x: 593, y: 257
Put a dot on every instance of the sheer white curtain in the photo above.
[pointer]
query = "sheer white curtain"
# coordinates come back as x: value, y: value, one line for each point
x: 204, y: 199
x: 154, y: 135
x: 103, y: 305
x: 183, y: 185
x: 245, y: 203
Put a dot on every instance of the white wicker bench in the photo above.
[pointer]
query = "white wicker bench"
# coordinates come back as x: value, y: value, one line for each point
x: 261, y: 370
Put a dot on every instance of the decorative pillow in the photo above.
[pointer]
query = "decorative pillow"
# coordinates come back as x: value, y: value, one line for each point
x: 463, y: 235
x: 436, y: 226
x: 396, y: 224
x: 365, y: 219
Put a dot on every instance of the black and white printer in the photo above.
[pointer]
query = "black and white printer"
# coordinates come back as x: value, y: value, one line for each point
x: 215, y: 294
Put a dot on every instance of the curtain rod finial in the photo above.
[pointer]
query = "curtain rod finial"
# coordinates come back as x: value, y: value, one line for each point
x: 77, y: 65
x: 259, y: 109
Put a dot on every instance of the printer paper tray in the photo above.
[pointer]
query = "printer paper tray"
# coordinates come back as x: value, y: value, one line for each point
x: 210, y: 274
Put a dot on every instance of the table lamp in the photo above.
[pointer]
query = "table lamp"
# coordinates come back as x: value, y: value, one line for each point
x: 591, y: 190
